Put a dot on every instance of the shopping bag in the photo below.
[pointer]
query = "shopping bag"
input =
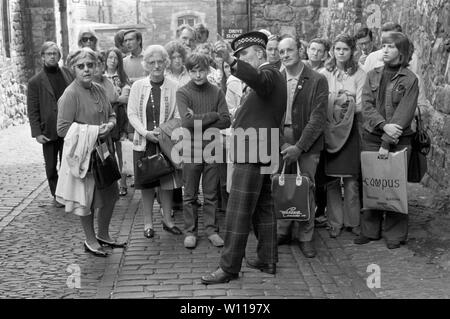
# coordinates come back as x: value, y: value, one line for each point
x: 104, y: 166
x: 127, y: 158
x: 384, y: 181
x: 290, y: 193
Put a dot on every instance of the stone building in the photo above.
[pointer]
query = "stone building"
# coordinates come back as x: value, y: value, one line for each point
x: 156, y: 19
x: 25, y: 26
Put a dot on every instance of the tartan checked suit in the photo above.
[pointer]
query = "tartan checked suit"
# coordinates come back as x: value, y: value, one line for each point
x: 250, y: 197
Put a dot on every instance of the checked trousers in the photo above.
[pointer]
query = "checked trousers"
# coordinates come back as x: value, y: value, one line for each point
x: 250, y: 201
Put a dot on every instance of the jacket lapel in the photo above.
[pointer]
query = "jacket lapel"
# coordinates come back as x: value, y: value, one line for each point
x: 302, y: 82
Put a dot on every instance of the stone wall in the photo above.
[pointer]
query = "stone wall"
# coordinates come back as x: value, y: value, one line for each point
x: 30, y: 24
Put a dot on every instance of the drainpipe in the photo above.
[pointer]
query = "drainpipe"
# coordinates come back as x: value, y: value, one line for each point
x: 249, y: 13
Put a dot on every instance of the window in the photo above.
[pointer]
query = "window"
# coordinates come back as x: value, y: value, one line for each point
x: 190, y: 19
x: 5, y: 19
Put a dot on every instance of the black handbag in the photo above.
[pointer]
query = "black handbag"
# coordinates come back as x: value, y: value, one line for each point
x: 151, y: 168
x: 291, y: 195
x: 420, y: 147
x: 104, y: 166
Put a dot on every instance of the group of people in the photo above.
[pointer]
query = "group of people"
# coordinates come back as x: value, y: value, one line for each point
x: 329, y: 101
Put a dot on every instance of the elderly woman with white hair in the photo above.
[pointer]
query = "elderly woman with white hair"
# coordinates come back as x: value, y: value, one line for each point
x: 152, y: 102
x: 85, y: 102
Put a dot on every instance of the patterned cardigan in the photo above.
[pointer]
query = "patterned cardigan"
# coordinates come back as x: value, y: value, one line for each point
x: 137, y: 103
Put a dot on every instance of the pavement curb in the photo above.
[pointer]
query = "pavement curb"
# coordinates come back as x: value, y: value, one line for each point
x: 115, y: 261
x: 5, y: 221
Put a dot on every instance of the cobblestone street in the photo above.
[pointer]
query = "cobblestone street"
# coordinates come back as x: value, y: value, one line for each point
x: 42, y: 245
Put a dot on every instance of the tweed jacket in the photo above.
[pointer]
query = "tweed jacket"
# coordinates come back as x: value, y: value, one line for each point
x: 309, y: 111
x: 42, y: 104
x: 262, y: 107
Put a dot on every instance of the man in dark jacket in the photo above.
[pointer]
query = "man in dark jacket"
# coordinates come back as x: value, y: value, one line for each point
x: 44, y: 90
x: 250, y: 199
x: 302, y: 138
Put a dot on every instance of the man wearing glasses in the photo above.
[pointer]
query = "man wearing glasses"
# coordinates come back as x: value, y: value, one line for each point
x: 44, y: 90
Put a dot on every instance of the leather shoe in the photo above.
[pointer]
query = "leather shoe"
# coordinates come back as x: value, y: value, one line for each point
x: 264, y: 267
x: 361, y: 240
x: 96, y: 252
x: 173, y: 230
x: 57, y: 204
x: 149, y: 233
x: 218, y: 277
x: 307, y: 249
x: 283, y: 240
x: 335, y: 232
x: 395, y: 244
x: 111, y: 244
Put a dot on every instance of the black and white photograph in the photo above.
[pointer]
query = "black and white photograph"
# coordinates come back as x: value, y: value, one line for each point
x: 194, y: 151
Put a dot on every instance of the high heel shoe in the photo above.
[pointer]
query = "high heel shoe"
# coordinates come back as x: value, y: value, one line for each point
x: 111, y: 244
x: 95, y: 252
x: 174, y: 229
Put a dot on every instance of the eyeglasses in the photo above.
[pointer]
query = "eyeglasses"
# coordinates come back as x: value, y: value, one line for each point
x: 51, y: 53
x: 155, y: 62
x: 81, y: 66
x: 86, y: 39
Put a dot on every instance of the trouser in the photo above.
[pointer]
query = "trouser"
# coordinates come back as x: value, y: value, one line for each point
x: 52, y: 151
x: 320, y: 193
x: 302, y: 230
x: 343, y: 213
x: 178, y: 197
x: 191, y: 177
x: 222, y: 167
x: 250, y: 202
x: 376, y: 223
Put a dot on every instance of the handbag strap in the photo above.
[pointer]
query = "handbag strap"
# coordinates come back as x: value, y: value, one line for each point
x: 298, y: 180
x: 419, y: 120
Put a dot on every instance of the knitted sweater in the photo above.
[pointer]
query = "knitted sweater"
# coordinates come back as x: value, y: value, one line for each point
x: 206, y: 103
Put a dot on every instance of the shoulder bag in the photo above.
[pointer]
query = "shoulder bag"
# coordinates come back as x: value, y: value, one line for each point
x: 420, y: 147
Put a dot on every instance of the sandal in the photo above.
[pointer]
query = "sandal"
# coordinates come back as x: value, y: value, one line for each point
x: 122, y: 191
